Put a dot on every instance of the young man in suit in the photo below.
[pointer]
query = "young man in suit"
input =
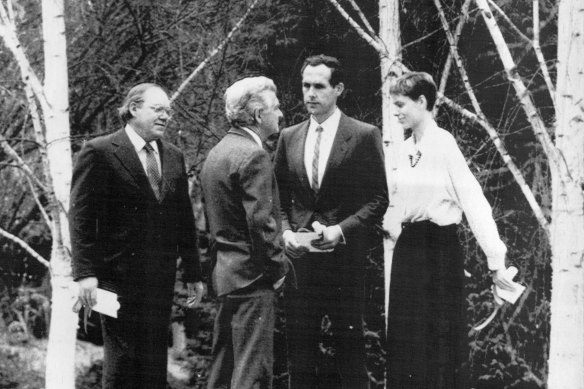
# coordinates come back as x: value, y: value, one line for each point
x: 331, y: 176
x: 131, y: 218
x: 243, y: 210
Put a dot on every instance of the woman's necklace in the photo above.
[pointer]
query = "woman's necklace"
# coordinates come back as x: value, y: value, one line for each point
x: 414, y: 160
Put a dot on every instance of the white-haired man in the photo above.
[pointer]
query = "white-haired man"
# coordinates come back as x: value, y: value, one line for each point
x: 242, y: 206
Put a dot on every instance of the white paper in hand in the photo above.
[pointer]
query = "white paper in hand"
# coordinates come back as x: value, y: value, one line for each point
x: 107, y: 303
x: 510, y: 295
x: 304, y: 239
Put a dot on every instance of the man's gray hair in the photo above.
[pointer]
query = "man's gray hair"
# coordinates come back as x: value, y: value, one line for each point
x: 244, y: 97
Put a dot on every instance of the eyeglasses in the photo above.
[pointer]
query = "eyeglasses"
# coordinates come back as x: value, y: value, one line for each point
x: 159, y: 110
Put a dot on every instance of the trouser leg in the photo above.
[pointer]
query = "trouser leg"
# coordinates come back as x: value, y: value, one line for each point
x: 349, y: 341
x: 253, y: 340
x: 222, y: 366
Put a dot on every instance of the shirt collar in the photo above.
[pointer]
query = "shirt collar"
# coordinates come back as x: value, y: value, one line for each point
x: 330, y: 124
x: 255, y: 136
x: 427, y: 141
x: 137, y: 141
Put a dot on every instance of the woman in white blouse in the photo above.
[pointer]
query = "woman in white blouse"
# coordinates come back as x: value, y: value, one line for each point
x: 434, y: 186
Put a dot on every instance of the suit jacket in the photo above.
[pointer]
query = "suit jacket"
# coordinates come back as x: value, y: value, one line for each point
x: 242, y: 206
x: 353, y: 191
x: 120, y: 232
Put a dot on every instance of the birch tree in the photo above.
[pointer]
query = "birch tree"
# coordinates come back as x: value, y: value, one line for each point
x: 566, y: 362
x: 48, y: 105
x: 61, y: 347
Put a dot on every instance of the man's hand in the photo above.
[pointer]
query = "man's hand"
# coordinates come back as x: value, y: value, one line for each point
x: 88, y: 291
x: 330, y: 236
x: 293, y: 249
x: 196, y: 291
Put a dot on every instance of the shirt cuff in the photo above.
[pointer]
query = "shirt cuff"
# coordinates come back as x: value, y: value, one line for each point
x: 343, y: 240
x: 496, y: 263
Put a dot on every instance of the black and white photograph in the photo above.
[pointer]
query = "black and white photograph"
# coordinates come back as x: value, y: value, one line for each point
x: 291, y: 194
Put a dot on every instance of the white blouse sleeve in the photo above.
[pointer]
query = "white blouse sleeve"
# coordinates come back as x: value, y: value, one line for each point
x: 475, y: 206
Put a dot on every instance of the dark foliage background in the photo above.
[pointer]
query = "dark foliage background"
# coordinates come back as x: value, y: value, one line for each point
x: 113, y: 45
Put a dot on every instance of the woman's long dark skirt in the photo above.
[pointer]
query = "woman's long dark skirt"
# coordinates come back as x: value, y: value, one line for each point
x: 426, y: 321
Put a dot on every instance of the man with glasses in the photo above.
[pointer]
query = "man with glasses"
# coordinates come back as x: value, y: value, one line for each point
x: 131, y: 219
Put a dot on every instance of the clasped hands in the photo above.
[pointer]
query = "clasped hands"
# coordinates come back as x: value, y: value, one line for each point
x: 330, y: 237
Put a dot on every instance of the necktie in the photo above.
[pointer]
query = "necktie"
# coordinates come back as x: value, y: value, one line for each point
x: 315, y: 186
x: 152, y: 170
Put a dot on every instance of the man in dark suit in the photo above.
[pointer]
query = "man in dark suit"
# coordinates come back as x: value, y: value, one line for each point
x: 130, y: 220
x: 243, y: 210
x: 331, y: 176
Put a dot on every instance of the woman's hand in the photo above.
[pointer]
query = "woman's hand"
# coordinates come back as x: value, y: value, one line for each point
x: 501, y: 279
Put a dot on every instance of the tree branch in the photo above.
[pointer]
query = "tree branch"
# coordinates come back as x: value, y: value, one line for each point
x: 510, y: 22
x: 521, y: 90
x: 534, y: 43
x: 12, y: 154
x: 448, y: 64
x: 490, y: 130
x: 372, y: 40
x: 213, y: 53
x: 25, y: 246
x: 538, y: 53
x: 8, y: 34
x: 364, y: 19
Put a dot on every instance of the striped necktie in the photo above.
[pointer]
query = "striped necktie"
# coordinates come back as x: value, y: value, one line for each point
x: 315, y: 185
x: 152, y: 170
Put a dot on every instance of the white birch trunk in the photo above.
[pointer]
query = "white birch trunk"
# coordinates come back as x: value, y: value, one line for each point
x: 389, y: 32
x: 61, y: 347
x: 566, y: 359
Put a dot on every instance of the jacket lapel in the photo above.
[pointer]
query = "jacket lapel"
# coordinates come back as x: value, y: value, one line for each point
x: 126, y: 154
x: 298, y: 146
x: 338, y: 150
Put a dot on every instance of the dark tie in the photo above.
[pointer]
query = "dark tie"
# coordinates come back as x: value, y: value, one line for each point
x: 315, y: 186
x: 152, y: 170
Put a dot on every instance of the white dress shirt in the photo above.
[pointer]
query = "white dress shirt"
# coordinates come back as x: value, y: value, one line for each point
x: 440, y: 188
x: 139, y: 143
x: 255, y: 136
x: 329, y: 131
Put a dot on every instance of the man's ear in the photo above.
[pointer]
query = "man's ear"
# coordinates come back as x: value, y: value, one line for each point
x: 339, y: 88
x: 132, y: 108
x: 257, y: 115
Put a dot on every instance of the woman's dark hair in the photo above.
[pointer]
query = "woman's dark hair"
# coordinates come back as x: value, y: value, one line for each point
x: 414, y: 85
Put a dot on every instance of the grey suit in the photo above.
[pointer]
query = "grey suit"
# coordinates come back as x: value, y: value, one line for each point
x: 242, y: 206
